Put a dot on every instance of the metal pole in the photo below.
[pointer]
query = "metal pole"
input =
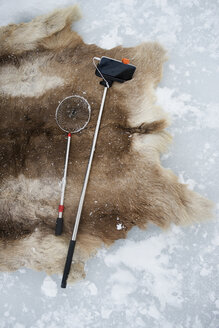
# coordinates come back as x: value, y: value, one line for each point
x: 65, y: 170
x: 59, y: 221
x: 81, y: 201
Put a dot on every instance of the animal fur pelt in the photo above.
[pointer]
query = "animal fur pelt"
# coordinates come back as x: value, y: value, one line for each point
x: 42, y: 62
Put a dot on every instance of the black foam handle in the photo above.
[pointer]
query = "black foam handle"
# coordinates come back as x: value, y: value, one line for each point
x: 68, y: 263
x: 59, y: 225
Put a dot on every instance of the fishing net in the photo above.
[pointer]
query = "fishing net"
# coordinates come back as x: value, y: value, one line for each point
x: 73, y: 114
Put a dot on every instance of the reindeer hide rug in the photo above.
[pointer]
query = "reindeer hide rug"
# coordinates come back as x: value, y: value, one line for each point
x: 42, y: 62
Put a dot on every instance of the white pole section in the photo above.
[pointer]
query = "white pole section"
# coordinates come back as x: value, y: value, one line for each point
x: 61, y: 206
x: 81, y: 201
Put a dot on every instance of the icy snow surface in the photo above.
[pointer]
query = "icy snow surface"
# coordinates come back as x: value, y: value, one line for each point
x: 153, y: 278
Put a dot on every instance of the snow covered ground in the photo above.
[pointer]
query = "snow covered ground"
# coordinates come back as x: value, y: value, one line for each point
x: 153, y: 279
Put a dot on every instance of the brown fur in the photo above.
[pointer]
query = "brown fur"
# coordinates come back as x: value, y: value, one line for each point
x: 42, y: 62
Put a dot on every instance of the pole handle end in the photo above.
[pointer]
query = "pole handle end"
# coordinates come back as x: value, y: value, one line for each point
x: 59, y: 227
x: 68, y: 263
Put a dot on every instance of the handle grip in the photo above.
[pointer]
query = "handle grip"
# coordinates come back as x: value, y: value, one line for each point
x: 68, y: 263
x: 59, y: 226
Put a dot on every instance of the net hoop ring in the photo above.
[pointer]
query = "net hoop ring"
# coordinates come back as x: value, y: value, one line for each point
x: 89, y: 113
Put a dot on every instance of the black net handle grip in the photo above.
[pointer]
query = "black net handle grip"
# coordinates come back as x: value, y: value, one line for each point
x: 59, y: 227
x: 68, y: 263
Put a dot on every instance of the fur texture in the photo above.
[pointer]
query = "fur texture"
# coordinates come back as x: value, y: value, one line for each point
x: 42, y: 62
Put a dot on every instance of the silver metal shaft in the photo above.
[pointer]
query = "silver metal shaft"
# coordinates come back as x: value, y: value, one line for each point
x: 81, y: 201
x: 65, y: 174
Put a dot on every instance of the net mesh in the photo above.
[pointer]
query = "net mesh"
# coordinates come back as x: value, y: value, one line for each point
x: 73, y: 114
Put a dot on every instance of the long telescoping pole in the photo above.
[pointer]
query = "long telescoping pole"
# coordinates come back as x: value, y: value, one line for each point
x: 81, y: 201
x: 59, y: 221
